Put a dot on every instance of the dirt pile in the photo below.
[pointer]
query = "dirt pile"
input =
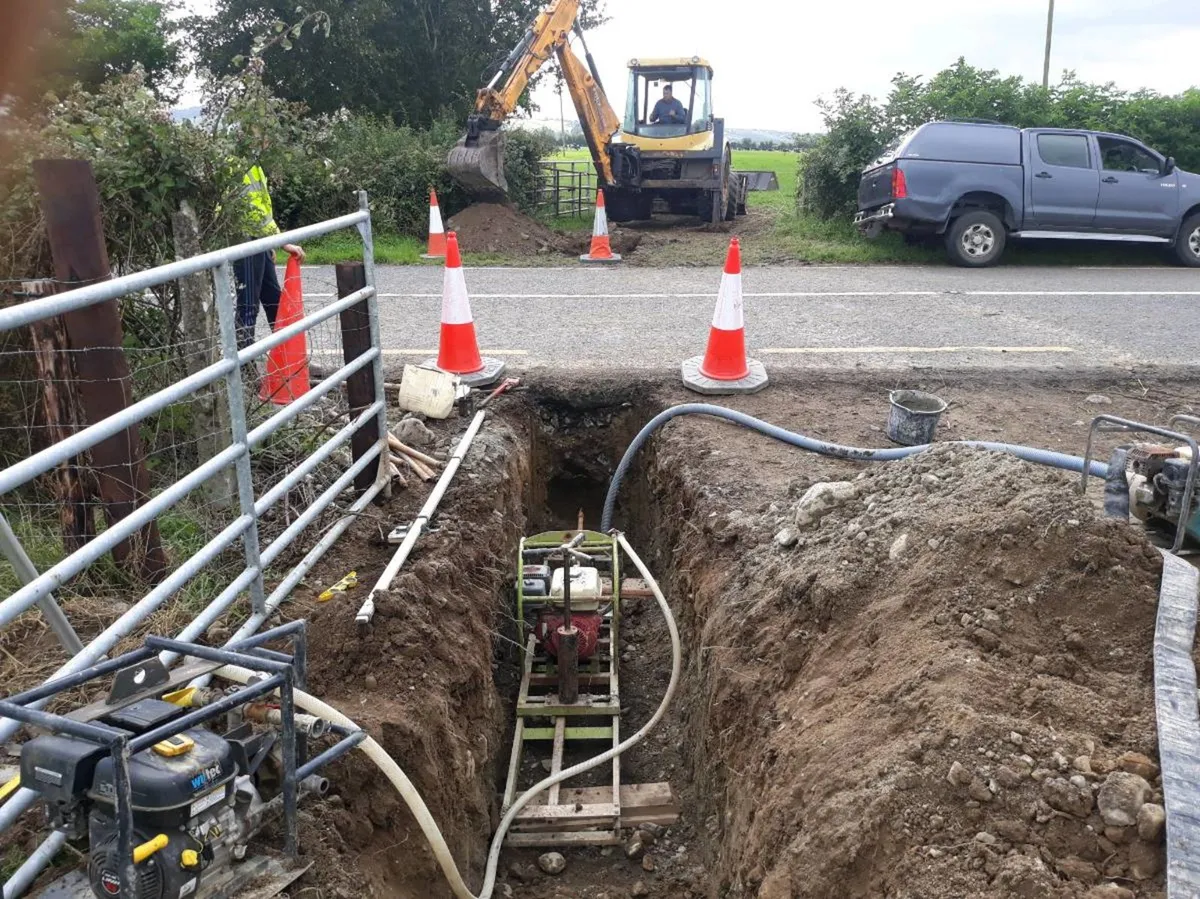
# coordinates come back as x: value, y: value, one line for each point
x: 500, y: 228
x: 932, y: 681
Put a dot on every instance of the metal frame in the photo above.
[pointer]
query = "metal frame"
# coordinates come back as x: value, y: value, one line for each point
x: 1124, y: 424
x: 566, y: 187
x: 39, y: 588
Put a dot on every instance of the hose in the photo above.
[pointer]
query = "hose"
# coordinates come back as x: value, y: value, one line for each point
x: 822, y: 447
x: 413, y: 799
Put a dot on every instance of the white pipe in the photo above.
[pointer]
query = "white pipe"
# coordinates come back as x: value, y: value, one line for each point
x: 367, y: 612
x: 417, y: 805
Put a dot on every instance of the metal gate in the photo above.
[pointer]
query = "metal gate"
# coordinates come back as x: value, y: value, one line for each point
x: 250, y: 429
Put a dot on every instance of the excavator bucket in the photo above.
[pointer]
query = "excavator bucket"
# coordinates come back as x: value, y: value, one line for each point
x: 477, y: 163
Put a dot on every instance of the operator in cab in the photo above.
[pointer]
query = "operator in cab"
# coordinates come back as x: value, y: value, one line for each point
x: 668, y: 110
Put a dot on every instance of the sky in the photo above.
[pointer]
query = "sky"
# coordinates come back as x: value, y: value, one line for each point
x: 773, y: 58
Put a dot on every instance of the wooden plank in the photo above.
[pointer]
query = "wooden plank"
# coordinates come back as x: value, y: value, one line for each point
x: 514, y: 764
x: 564, y: 838
x: 585, y: 680
x: 534, y: 734
x: 70, y: 205
x: 556, y: 756
x: 557, y: 812
x: 360, y: 386
x: 649, y: 803
x: 553, y: 709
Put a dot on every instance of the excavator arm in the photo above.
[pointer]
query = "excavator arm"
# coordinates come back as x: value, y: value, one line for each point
x: 477, y: 162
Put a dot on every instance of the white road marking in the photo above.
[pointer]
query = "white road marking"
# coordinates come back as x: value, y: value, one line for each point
x: 426, y: 352
x: 712, y: 295
x: 817, y: 350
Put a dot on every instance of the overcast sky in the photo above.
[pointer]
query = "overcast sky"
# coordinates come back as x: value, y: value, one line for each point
x: 772, y: 58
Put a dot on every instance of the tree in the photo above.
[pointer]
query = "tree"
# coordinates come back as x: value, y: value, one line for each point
x: 410, y: 60
x: 89, y: 42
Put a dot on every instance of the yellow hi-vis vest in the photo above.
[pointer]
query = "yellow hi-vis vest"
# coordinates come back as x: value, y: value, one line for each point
x: 255, y: 190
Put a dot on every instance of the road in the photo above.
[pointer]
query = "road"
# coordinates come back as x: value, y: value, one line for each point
x: 815, y: 316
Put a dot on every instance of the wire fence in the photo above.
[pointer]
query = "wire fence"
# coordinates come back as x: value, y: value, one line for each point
x: 566, y: 189
x: 230, y: 461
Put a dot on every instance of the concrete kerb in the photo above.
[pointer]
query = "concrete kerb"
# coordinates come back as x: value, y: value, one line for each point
x: 693, y: 379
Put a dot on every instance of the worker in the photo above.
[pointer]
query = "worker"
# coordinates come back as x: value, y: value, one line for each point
x: 257, y: 282
x: 668, y: 110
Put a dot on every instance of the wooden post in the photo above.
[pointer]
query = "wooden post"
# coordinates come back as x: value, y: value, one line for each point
x: 72, y: 482
x: 70, y: 205
x: 360, y: 386
x: 198, y: 322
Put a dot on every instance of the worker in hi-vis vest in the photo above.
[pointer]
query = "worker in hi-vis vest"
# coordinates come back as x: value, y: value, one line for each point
x: 257, y: 282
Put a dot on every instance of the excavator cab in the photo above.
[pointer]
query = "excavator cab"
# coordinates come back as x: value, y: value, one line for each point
x: 650, y: 113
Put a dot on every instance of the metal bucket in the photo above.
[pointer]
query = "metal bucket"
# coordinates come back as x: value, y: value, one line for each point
x: 913, y: 417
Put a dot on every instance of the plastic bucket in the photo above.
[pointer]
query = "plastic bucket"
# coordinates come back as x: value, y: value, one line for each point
x: 913, y: 417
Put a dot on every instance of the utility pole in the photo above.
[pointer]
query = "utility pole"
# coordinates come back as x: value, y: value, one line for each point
x: 1049, y: 36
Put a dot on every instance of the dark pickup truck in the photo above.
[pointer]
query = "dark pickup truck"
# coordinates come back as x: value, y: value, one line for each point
x: 975, y: 185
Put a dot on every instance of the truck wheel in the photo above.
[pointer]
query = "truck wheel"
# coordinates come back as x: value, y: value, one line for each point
x: 976, y: 239
x: 1187, y: 244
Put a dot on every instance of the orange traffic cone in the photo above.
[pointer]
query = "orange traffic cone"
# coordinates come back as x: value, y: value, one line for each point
x: 458, y: 350
x: 437, y: 234
x: 601, y: 249
x: 287, y: 365
x: 724, y: 369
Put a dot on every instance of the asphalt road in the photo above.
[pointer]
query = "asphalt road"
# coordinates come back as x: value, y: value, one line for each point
x: 816, y: 316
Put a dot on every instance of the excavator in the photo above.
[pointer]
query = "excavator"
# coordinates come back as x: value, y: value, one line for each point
x: 685, y: 163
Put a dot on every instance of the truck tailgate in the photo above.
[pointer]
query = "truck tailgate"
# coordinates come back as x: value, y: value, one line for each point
x: 875, y: 188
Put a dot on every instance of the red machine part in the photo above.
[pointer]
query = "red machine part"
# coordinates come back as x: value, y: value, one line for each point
x: 588, y: 624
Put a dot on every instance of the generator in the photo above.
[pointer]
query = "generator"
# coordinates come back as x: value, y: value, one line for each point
x: 166, y: 785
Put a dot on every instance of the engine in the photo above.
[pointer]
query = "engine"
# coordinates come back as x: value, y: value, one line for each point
x: 1150, y: 482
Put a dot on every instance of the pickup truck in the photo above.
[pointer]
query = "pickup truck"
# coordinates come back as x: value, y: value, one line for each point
x: 976, y: 185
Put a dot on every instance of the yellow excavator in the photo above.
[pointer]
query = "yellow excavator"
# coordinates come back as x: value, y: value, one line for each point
x: 679, y: 156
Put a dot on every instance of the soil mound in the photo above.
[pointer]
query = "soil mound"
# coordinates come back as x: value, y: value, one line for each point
x: 932, y: 682
x: 500, y: 228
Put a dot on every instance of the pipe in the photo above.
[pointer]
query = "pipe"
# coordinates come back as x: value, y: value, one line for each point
x: 824, y: 448
x: 367, y: 612
x: 416, y: 804
x: 25, y: 875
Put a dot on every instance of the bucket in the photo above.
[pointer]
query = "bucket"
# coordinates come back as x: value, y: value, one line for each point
x: 913, y: 417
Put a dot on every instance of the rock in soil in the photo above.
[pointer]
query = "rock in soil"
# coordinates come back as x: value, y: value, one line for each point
x: 639, y: 891
x: 552, y: 862
x: 635, y: 848
x: 414, y: 433
x: 1121, y: 797
x: 1151, y: 819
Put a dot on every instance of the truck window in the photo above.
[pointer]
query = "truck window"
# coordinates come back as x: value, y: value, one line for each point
x: 1070, y: 150
x: 1118, y: 155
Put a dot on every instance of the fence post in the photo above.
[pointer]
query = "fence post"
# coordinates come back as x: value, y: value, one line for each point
x: 199, y: 326
x: 360, y: 386
x: 72, y: 482
x: 364, y: 230
x: 71, y: 206
x: 235, y: 394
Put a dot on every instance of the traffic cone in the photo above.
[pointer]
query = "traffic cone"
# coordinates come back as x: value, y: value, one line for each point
x: 458, y: 350
x: 601, y: 249
x: 287, y: 365
x: 437, y: 234
x: 724, y: 368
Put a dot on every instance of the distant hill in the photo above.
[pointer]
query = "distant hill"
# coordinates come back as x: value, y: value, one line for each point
x: 186, y: 113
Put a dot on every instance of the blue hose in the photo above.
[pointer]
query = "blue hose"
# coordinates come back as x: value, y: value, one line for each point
x: 858, y: 454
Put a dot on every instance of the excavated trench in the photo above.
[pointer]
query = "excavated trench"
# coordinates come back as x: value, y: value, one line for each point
x: 830, y: 686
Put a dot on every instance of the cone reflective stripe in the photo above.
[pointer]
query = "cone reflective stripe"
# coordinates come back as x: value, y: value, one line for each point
x: 458, y: 351
x: 437, y: 233
x: 287, y: 365
x: 725, y: 358
x: 724, y: 368
x: 601, y: 248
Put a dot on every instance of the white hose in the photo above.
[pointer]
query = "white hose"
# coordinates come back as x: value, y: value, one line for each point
x: 417, y: 805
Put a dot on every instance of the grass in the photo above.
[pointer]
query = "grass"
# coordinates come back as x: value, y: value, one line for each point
x: 343, y: 246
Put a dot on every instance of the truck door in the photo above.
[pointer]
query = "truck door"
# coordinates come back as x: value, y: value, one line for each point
x: 1135, y: 197
x: 1064, y: 181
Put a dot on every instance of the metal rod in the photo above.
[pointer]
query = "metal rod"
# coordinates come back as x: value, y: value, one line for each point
x: 280, y: 543
x: 95, y: 733
x: 55, y: 454
x: 24, y: 876
x: 333, y: 753
x: 27, y: 573
x: 310, y: 399
x: 214, y: 610
x: 294, y: 631
x: 309, y: 465
x: 1049, y: 39
x: 287, y: 708
x: 235, y: 397
x: 57, y: 304
x: 368, y: 239
x: 124, y: 814
x: 217, y: 654
x: 73, y: 564
x: 367, y: 611
x: 283, y: 335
